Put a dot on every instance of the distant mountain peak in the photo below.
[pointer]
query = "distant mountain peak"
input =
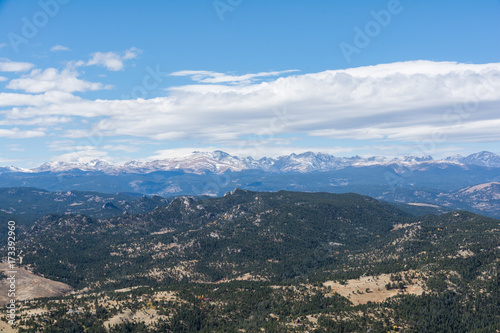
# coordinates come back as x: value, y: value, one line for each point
x: 454, y: 158
x: 483, y: 158
x: 93, y: 165
x: 10, y: 168
x: 219, y: 162
x: 411, y: 158
x: 219, y: 154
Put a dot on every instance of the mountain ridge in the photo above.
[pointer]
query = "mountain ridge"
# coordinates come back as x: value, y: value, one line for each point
x: 218, y: 162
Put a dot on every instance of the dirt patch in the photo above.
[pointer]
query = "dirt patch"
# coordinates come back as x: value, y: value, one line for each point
x: 166, y: 296
x: 163, y: 231
x: 118, y: 319
x: 7, y: 328
x: 124, y: 290
x: 35, y: 312
x: 356, y: 289
x: 148, y: 316
x: 30, y: 286
x: 244, y: 277
x: 402, y: 226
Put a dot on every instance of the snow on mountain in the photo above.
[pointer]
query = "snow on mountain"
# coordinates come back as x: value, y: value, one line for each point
x: 10, y: 168
x: 220, y: 162
x: 307, y: 162
x: 454, y: 159
x: 94, y: 165
x: 198, y: 162
x: 418, y: 158
x: 484, y: 158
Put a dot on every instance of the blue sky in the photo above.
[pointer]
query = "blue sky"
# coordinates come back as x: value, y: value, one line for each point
x: 124, y: 80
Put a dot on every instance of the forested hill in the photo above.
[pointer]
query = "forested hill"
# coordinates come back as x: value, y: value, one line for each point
x: 279, y: 235
x: 264, y: 242
x: 28, y: 204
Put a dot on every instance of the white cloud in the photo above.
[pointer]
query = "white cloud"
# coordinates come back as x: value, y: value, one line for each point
x: 81, y: 155
x: 73, y: 146
x: 3, y: 78
x: 131, y: 53
x: 12, y: 66
x: 389, y: 151
x: 411, y: 101
x: 38, y: 121
x: 16, y: 133
x: 7, y: 160
x: 15, y: 147
x: 113, y: 61
x: 214, y: 77
x: 56, y: 48
x: 77, y: 151
x: 51, y: 79
x: 61, y: 145
x: 124, y: 148
x: 48, y: 98
x: 267, y: 151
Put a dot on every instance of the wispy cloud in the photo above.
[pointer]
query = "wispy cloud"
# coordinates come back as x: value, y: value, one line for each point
x: 16, y: 133
x: 57, y: 48
x: 7, y: 160
x: 51, y: 79
x: 2, y: 45
x: 3, y: 78
x: 81, y: 155
x: 71, y: 145
x: 15, y: 147
x: 12, y: 66
x: 276, y: 151
x: 47, y: 99
x: 113, y: 61
x: 39, y: 121
x: 215, y: 77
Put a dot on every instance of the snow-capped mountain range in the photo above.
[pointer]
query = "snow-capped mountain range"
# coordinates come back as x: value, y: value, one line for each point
x: 220, y: 162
